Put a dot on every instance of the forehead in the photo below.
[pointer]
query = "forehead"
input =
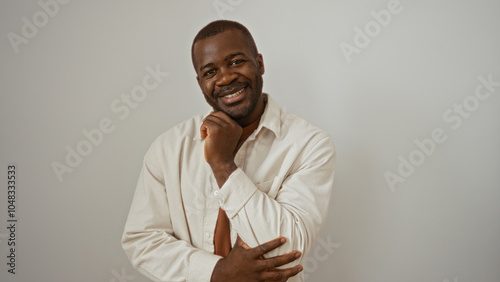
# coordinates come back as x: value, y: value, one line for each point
x: 218, y: 47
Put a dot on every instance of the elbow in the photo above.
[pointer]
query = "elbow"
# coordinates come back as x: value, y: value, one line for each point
x: 303, y: 235
x: 131, y: 245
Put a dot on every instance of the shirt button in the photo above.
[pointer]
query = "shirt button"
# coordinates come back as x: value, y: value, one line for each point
x: 208, y: 235
x: 216, y: 193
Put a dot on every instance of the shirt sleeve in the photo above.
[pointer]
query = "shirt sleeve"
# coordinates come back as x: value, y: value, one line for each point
x: 148, y: 238
x: 298, y: 211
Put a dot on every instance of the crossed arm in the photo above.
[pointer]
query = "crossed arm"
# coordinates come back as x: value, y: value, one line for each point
x: 294, y: 214
x: 243, y: 263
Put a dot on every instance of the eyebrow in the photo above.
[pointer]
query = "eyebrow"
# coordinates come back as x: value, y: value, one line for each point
x: 225, y: 59
x: 206, y: 66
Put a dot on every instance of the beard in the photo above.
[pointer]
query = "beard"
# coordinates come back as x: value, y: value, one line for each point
x: 237, y: 112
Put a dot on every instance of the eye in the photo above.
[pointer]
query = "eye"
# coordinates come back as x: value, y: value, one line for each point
x: 209, y: 72
x: 236, y: 62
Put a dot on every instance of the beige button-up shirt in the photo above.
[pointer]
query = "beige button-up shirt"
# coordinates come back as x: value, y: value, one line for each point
x: 282, y: 187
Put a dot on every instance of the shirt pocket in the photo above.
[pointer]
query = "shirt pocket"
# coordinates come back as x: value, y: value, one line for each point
x: 271, y: 187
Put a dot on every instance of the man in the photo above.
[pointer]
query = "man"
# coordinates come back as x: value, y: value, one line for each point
x: 238, y: 194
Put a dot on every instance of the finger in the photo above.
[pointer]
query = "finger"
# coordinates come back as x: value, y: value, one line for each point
x: 274, y: 262
x: 203, y: 131
x: 211, y: 123
x: 267, y: 247
x: 281, y: 274
x: 216, y: 119
x: 224, y: 116
x: 241, y: 243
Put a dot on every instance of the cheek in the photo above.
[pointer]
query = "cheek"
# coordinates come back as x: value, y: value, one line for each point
x: 204, y: 89
x: 252, y: 73
x: 207, y: 89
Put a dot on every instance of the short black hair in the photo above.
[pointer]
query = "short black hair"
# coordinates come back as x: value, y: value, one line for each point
x: 220, y: 26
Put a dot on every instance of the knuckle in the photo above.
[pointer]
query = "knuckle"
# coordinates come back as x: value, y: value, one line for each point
x: 279, y: 276
x: 276, y: 263
x: 267, y: 264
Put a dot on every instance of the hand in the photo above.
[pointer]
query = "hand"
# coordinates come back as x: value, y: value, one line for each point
x: 247, y: 264
x: 221, y: 134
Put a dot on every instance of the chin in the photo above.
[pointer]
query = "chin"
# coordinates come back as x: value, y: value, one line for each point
x: 240, y: 111
x: 237, y: 115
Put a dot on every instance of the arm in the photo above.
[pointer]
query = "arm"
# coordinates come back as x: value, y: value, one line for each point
x: 299, y: 210
x: 148, y: 238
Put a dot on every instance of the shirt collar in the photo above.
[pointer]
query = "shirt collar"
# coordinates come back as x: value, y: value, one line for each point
x: 271, y: 119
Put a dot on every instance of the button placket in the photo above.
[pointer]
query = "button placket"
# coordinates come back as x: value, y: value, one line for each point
x: 212, y: 210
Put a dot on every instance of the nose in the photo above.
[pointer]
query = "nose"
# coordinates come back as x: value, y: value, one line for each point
x: 225, y: 77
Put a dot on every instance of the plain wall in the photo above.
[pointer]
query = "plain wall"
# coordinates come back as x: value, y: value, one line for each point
x: 379, y: 96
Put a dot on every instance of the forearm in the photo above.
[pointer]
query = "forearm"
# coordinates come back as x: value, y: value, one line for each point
x: 264, y: 219
x: 223, y: 171
x: 258, y: 218
x: 161, y: 257
x: 295, y: 206
x: 148, y: 238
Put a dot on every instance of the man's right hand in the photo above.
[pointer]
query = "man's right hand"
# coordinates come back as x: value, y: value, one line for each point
x: 248, y: 264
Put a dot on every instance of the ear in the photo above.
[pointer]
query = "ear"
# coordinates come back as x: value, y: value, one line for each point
x: 198, y: 80
x: 260, y: 61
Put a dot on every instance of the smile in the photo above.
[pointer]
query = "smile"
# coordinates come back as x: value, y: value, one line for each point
x: 234, y: 94
x: 235, y: 97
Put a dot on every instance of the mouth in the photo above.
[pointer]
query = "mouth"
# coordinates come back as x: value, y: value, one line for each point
x: 234, y: 97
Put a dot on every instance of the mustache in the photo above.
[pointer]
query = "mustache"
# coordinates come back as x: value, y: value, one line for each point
x: 228, y: 89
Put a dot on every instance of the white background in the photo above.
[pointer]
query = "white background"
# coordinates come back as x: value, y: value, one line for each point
x: 442, y: 223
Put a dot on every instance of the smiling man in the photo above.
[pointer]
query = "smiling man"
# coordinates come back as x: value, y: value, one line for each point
x: 238, y: 194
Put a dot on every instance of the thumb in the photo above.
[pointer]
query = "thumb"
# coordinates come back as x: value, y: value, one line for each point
x: 203, y: 131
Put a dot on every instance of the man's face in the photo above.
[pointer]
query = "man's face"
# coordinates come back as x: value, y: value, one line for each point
x: 229, y: 73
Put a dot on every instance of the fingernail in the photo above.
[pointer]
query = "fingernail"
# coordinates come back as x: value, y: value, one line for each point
x: 297, y: 254
x: 301, y: 268
x: 283, y: 240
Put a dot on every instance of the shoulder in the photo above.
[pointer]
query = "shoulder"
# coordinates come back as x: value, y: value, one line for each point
x: 178, y: 136
x: 313, y: 145
x: 188, y: 129
x: 297, y: 129
x: 293, y: 131
x: 289, y: 127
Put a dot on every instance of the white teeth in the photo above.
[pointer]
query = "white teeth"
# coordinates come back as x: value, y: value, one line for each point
x: 235, y: 94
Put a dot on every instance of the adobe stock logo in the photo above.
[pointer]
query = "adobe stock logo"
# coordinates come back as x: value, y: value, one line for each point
x: 122, y: 107
x: 323, y: 250
x: 225, y: 6
x: 363, y: 37
x: 454, y: 115
x: 39, y: 20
